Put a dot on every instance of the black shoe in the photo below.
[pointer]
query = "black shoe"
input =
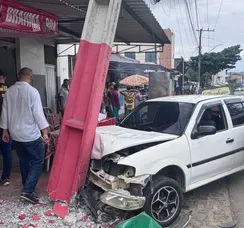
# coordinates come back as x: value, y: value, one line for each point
x: 5, y: 182
x: 32, y: 198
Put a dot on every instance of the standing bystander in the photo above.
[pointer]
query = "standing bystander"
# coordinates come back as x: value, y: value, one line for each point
x: 63, y: 94
x: 129, y: 97
x: 5, y: 148
x: 23, y: 117
x: 115, y: 102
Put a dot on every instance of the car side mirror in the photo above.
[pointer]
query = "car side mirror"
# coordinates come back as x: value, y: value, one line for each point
x: 204, y: 131
x: 207, y: 130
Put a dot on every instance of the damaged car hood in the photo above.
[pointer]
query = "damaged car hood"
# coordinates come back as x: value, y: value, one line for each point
x: 117, y: 138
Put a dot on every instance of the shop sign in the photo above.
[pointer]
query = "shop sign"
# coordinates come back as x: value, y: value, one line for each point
x: 217, y: 91
x: 17, y: 19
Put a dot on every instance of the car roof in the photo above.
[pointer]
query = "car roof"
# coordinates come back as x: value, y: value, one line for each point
x: 194, y: 99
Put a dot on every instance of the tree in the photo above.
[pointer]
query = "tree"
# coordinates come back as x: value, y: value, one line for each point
x: 214, y: 62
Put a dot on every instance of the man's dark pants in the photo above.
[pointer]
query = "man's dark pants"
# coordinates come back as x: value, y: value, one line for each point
x: 6, y: 151
x: 31, y: 160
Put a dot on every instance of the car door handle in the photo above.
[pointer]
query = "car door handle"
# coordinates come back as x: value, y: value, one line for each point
x: 230, y: 140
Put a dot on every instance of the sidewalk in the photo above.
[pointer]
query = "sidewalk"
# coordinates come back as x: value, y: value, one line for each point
x: 15, y: 213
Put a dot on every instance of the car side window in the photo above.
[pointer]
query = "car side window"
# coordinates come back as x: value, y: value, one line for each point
x: 214, y: 116
x: 236, y: 112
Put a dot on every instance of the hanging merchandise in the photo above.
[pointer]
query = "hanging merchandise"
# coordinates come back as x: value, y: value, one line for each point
x: 20, y: 20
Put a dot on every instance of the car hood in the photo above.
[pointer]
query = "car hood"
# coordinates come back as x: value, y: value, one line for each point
x: 116, y: 138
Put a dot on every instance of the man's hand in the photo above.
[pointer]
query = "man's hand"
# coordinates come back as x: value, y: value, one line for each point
x: 6, y: 137
x: 45, y: 138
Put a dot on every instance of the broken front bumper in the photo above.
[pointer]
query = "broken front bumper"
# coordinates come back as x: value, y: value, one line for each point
x: 116, y: 190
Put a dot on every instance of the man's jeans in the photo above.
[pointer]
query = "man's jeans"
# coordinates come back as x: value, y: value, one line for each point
x: 31, y: 160
x: 6, y: 151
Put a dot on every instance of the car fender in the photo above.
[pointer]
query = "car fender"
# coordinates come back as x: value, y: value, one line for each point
x: 153, y: 159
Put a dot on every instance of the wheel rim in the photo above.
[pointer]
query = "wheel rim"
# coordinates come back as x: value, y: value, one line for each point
x: 165, y: 204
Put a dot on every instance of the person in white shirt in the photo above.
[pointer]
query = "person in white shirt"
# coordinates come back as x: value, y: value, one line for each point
x: 23, y: 118
x: 63, y: 94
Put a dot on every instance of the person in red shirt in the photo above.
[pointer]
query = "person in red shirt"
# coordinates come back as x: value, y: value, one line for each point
x: 115, y: 102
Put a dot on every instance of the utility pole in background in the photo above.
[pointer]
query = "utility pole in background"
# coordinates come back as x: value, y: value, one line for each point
x: 200, y: 54
x: 183, y: 75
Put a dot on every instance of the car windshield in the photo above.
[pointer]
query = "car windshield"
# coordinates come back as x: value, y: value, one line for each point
x: 163, y: 117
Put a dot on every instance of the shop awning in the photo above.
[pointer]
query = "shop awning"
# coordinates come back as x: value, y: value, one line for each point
x: 17, y: 19
x: 136, y: 22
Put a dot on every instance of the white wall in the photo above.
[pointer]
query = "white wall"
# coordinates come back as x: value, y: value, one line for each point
x: 62, y: 61
x: 31, y: 54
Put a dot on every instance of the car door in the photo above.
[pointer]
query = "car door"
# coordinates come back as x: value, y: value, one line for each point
x: 235, y: 114
x: 208, y: 151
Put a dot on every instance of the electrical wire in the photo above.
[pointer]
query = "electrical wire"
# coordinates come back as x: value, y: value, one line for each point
x: 182, y: 19
x: 208, y: 23
x: 190, y: 28
x: 197, y: 17
x: 220, y: 7
x: 190, y: 20
x: 207, y: 14
x: 167, y: 14
x: 180, y: 33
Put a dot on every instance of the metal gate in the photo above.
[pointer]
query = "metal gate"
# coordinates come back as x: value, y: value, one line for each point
x: 51, y: 87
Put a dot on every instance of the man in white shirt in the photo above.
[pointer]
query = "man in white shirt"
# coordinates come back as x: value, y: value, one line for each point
x: 23, y: 117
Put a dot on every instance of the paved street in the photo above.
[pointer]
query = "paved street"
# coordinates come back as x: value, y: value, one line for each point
x: 219, y: 203
x: 210, y: 205
x: 236, y: 189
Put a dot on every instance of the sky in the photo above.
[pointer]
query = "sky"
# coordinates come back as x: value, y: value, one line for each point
x: 229, y: 28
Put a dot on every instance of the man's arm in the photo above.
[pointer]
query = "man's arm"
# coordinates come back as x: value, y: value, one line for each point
x: 4, y: 120
x: 39, y: 115
x: 4, y: 114
x: 61, y: 97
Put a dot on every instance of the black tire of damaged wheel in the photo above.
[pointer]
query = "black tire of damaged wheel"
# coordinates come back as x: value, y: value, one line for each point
x: 159, y: 184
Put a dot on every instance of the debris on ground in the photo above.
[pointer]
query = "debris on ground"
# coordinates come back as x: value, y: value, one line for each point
x: 16, y: 213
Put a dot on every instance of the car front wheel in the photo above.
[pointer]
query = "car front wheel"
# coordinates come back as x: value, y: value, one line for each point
x: 165, y: 204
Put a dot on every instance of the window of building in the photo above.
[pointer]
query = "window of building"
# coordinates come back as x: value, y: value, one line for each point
x: 150, y: 57
x: 237, y: 113
x: 131, y: 55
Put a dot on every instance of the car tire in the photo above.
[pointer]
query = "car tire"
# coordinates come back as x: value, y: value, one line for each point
x: 166, y: 194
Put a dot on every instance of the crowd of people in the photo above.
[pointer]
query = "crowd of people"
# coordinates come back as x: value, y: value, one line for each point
x: 111, y: 100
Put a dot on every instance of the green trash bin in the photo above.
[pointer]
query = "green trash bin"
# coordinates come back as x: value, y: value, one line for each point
x: 140, y: 221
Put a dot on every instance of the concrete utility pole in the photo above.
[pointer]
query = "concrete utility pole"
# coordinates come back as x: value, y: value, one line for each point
x: 183, y: 75
x: 200, y: 54
x: 79, y: 123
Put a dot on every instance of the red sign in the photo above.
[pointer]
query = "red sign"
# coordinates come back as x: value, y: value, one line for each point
x: 17, y: 19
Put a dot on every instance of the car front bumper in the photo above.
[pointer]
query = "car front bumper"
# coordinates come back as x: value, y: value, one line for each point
x: 117, y: 192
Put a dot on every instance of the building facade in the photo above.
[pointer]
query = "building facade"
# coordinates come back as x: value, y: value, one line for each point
x: 166, y: 57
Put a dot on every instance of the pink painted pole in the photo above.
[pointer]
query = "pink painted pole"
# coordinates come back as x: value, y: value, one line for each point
x: 72, y: 157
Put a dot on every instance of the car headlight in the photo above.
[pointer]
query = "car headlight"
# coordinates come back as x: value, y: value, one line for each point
x: 122, y: 200
x: 129, y: 171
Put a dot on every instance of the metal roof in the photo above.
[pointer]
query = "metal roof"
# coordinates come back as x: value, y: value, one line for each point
x: 136, y: 23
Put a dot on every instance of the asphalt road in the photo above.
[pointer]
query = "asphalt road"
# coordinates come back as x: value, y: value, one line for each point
x: 236, y: 193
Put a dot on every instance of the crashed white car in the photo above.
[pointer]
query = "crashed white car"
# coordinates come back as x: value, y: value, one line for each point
x: 166, y: 147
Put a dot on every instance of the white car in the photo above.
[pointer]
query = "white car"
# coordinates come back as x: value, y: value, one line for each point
x: 166, y: 147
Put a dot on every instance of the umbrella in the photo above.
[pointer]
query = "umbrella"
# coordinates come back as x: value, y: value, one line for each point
x: 134, y: 80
